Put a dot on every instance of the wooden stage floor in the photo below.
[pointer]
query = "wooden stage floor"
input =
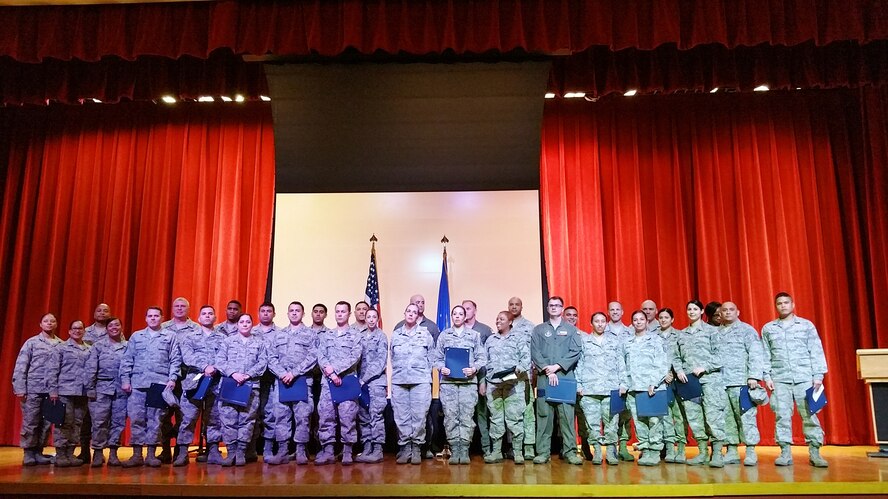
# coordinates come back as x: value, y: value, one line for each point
x: 851, y: 472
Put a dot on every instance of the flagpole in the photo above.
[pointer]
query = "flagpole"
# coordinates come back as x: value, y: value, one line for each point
x: 371, y: 291
x: 443, y: 318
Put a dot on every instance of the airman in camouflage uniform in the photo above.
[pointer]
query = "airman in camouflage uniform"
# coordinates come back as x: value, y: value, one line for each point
x: 293, y: 352
x: 411, y: 351
x: 233, y: 311
x: 339, y: 354
x: 524, y: 328
x: 646, y: 369
x: 506, y: 400
x: 697, y: 354
x: 198, y: 350
x: 794, y: 362
x: 151, y: 356
x: 243, y: 358
x: 599, y: 371
x: 372, y: 370
x: 265, y: 427
x: 181, y: 324
x: 67, y: 383
x: 94, y: 332
x: 742, y: 365
x: 107, y: 403
x: 616, y: 328
x: 675, y: 431
x: 30, y: 383
x: 459, y: 391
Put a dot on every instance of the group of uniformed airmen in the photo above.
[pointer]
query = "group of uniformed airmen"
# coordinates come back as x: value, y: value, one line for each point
x: 102, y: 378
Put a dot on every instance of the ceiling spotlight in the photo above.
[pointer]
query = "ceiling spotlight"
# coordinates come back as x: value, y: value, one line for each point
x: 630, y: 93
x: 761, y: 88
x: 97, y: 101
x: 169, y: 99
x: 265, y: 98
x: 574, y: 95
x: 714, y: 90
x: 225, y: 98
x: 550, y: 95
x: 204, y: 98
x: 238, y: 98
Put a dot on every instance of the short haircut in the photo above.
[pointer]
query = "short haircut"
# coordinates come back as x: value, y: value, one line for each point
x: 365, y: 303
x: 239, y: 304
x: 343, y: 302
x: 571, y: 307
x: 667, y: 310
x: 321, y: 305
x: 475, y: 305
x: 267, y: 304
x: 301, y: 306
x: 556, y: 298
x: 209, y: 307
x: 154, y: 307
x: 782, y: 294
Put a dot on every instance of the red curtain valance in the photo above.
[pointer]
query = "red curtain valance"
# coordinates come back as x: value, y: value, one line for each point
x: 325, y: 27
x: 600, y: 71
x: 147, y: 78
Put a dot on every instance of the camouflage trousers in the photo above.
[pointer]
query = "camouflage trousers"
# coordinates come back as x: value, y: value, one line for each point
x: 68, y: 433
x: 595, y: 414
x: 459, y: 401
x: 108, y: 419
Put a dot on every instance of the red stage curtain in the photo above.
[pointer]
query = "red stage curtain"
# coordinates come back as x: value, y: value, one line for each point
x: 132, y: 205
x: 303, y: 27
x: 727, y: 197
x: 666, y: 69
x: 113, y: 79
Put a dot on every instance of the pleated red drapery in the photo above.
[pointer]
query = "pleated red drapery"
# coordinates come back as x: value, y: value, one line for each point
x: 132, y: 205
x: 733, y: 197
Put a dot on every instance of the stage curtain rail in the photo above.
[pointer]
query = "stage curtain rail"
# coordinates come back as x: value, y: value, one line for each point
x: 600, y: 71
x: 727, y: 197
x: 129, y: 204
x: 327, y: 28
x: 113, y: 79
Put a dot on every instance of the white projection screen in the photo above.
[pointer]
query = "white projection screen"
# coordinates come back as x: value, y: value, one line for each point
x: 322, y: 250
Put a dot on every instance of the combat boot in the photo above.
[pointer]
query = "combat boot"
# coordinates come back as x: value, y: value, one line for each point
x: 732, y: 456
x: 717, y: 461
x: 347, y: 457
x: 572, y: 457
x: 41, y: 457
x: 62, y: 460
x: 625, y: 455
x: 97, y: 459
x: 597, y: 458
x: 814, y: 457
x: 113, y: 460
x: 301, y: 455
x: 213, y: 454
x: 267, y: 450
x: 404, y: 454
x: 182, y: 458
x: 496, y: 453
x: 240, y: 456
x: 670, y: 453
x: 785, y: 457
x: 326, y: 456
x: 136, y: 460
x: 28, y: 459
x: 680, y: 457
x: 74, y: 460
x: 415, y: 454
x: 281, y: 457
x: 518, y: 457
x: 374, y: 455
x: 454, y: 453
x: 151, y: 459
x: 751, y: 457
x: 649, y: 457
x: 529, y: 452
x: 229, y: 459
x: 542, y: 459
x: 700, y: 458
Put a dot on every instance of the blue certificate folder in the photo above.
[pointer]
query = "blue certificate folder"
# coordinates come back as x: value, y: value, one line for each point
x: 691, y: 390
x: 232, y: 393
x: 456, y: 359
x: 297, y: 391
x: 54, y: 412
x: 647, y: 406
x: 154, y: 397
x: 815, y: 401
x: 617, y: 403
x: 203, y: 387
x: 564, y: 393
x: 364, y: 400
x: 745, y: 400
x: 350, y: 389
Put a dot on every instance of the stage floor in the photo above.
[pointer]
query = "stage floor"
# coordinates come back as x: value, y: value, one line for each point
x: 850, y: 472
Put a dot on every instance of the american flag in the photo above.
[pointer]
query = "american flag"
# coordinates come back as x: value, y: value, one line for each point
x: 371, y: 292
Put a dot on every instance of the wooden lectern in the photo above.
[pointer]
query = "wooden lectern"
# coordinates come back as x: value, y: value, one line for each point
x: 872, y: 367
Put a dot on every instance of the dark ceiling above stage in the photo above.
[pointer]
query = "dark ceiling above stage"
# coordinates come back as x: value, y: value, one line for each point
x: 407, y: 127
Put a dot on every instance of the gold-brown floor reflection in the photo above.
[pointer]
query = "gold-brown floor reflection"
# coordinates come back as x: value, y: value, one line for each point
x: 850, y: 472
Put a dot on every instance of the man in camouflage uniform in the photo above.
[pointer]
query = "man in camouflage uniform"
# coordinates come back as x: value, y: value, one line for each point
x: 361, y: 309
x: 180, y: 324
x: 482, y: 416
x: 292, y: 352
x: 555, y: 349
x: 794, y: 362
x: 372, y: 370
x: 233, y: 311
x: 198, y: 351
x: 107, y: 399
x: 94, y: 332
x: 339, y: 353
x: 646, y: 368
x: 67, y: 383
x: 572, y: 316
x: 459, y: 391
x: 742, y: 365
x: 266, y: 425
x: 151, y: 356
x: 506, y: 400
x: 622, y: 332
x: 524, y: 328
x: 30, y: 384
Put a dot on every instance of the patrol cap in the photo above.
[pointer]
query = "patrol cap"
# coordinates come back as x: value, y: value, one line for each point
x: 759, y: 396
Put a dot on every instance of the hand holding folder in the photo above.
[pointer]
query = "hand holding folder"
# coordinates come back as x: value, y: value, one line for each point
x: 648, y: 406
x: 815, y: 399
x: 297, y: 391
x: 54, y: 412
x: 565, y: 392
x: 232, y: 393
x: 692, y: 390
x: 349, y: 389
x: 456, y: 359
